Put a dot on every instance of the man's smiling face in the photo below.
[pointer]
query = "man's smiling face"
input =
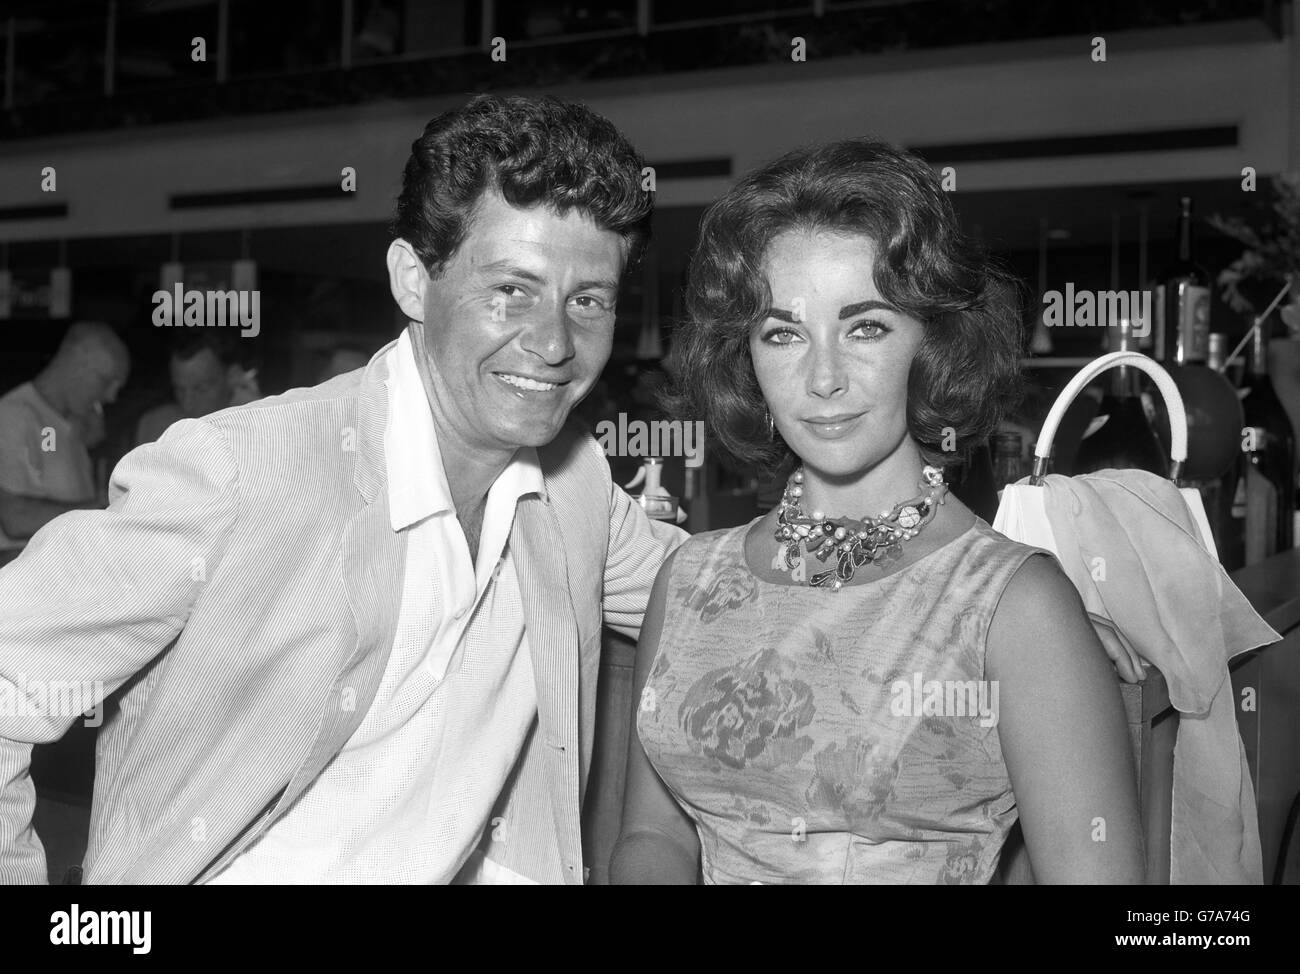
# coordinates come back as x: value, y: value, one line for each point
x: 520, y: 323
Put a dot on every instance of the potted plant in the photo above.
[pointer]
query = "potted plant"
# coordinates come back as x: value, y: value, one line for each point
x: 1270, y: 259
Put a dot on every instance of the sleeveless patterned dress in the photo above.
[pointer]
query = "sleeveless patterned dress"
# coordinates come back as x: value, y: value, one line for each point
x: 822, y: 737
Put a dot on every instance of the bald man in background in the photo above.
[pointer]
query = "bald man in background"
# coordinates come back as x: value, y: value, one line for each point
x: 47, y: 429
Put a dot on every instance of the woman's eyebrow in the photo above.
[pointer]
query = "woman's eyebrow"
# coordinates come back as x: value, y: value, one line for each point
x: 848, y: 311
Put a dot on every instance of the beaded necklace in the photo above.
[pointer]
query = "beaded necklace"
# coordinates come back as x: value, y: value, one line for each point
x: 855, y: 541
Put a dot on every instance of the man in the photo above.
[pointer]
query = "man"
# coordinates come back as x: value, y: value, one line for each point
x: 48, y: 426
x: 360, y: 624
x: 204, y: 378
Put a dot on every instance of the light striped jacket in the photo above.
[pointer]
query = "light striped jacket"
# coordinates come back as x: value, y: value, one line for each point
x: 242, y: 589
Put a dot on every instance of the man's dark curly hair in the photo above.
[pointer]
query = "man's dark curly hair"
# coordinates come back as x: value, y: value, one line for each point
x: 531, y: 151
x: 966, y: 373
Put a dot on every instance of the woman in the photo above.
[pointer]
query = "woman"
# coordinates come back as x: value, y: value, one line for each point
x: 886, y: 713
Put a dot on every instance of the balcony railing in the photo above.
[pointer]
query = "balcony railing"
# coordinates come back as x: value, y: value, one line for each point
x: 109, y: 63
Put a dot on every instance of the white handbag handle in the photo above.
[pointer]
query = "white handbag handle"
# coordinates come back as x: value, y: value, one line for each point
x: 1173, y: 404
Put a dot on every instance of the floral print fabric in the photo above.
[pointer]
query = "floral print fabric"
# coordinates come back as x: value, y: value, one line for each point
x: 782, y: 717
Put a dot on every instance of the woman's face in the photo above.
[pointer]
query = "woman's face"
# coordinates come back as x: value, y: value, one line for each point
x: 832, y: 356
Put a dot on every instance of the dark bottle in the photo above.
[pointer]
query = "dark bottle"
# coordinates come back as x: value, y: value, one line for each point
x: 1126, y: 440
x: 1182, y: 300
x: 1214, y: 416
x: 972, y: 483
x: 1268, y: 473
x: 1008, y: 463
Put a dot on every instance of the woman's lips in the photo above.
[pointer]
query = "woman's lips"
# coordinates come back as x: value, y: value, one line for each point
x: 832, y: 426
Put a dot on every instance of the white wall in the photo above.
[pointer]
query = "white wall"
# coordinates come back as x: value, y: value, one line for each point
x: 118, y: 183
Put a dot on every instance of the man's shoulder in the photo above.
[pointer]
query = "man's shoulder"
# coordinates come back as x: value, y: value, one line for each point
x: 292, y: 454
x: 308, y: 438
x: 293, y: 412
x: 574, y: 459
x: 22, y: 416
x: 19, y: 393
x: 20, y: 401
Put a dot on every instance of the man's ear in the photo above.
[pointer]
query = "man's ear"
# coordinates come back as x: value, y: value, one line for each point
x: 407, y: 279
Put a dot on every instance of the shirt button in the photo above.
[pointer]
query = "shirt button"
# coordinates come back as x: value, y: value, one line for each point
x: 461, y: 612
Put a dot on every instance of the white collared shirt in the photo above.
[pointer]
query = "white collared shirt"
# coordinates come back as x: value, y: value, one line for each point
x: 409, y: 796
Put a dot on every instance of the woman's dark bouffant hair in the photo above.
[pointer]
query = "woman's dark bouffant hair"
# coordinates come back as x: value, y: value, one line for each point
x: 966, y: 373
x: 530, y: 150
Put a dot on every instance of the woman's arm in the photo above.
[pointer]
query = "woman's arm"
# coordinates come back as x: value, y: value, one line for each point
x: 657, y: 843
x: 1063, y: 733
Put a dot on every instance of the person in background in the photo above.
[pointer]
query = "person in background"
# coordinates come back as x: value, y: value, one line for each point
x: 343, y: 358
x: 380, y: 32
x: 47, y: 428
x: 205, y: 377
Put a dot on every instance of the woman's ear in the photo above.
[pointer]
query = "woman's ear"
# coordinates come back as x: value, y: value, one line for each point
x: 407, y: 279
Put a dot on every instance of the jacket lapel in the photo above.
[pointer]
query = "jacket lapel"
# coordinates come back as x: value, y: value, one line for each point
x: 373, y: 560
x: 553, y: 644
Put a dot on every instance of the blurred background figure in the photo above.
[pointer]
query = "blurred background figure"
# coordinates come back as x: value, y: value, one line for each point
x: 205, y: 378
x: 47, y: 428
x: 380, y: 30
x: 342, y: 358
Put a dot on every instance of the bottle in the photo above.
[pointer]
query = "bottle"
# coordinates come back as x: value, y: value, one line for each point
x: 1214, y: 415
x: 1269, y: 453
x: 1125, y: 438
x: 1182, y: 304
x: 1008, y: 465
